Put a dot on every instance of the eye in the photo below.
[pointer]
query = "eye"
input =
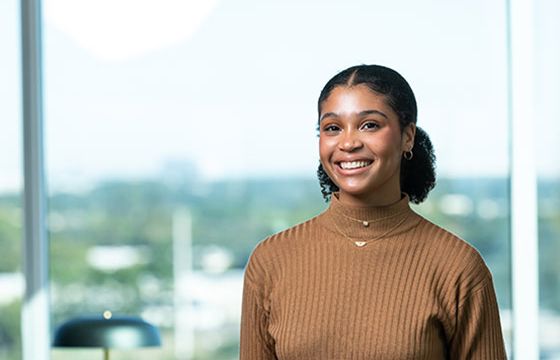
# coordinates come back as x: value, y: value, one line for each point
x: 370, y: 125
x: 331, y: 128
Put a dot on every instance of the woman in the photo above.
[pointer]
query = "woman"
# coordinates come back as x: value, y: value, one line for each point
x: 369, y: 278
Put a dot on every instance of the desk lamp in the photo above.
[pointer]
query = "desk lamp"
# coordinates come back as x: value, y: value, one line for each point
x: 106, y: 332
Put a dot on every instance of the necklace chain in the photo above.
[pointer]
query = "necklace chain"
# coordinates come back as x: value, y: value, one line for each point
x: 367, y: 222
x: 365, y: 242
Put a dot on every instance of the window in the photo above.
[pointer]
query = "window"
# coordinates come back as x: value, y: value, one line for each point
x: 11, y: 279
x: 547, y: 132
x: 174, y: 148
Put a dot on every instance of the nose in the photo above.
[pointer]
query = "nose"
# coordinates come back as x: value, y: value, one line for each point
x: 350, y: 141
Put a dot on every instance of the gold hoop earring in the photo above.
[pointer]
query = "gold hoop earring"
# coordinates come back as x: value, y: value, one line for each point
x: 408, y: 155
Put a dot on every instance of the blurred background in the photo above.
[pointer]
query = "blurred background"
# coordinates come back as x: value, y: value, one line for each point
x: 178, y: 134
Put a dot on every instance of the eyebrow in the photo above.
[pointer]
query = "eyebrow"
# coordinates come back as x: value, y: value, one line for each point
x: 361, y: 114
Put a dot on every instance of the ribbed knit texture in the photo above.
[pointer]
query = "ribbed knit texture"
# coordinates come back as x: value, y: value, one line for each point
x: 415, y: 291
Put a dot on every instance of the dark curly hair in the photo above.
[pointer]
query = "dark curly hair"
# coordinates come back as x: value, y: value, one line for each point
x: 417, y: 175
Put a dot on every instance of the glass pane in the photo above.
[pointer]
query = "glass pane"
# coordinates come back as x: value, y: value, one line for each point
x: 547, y: 130
x: 11, y: 279
x: 463, y: 106
x: 174, y: 148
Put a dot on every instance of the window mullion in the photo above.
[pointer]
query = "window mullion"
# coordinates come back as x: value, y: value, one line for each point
x: 35, y: 309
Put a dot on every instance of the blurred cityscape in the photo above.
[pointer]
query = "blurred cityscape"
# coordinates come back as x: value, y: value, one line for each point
x: 173, y: 252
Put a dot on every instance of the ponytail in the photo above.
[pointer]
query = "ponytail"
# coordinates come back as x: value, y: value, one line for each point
x: 418, y: 175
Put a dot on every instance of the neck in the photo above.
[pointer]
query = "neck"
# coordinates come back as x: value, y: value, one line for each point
x: 382, y: 221
x: 371, y: 200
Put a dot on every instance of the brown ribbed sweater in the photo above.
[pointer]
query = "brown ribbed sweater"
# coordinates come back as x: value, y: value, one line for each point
x: 414, y: 291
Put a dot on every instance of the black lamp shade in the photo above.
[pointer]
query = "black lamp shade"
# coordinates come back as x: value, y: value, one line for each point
x: 97, y: 331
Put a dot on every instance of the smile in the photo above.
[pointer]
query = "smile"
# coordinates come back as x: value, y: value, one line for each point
x: 347, y: 165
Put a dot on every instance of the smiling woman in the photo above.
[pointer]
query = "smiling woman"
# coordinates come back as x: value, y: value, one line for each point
x: 403, y: 288
x: 361, y: 145
x: 385, y: 115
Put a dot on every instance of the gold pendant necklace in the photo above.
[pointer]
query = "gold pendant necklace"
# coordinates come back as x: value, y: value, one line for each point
x: 366, y: 223
x: 363, y: 243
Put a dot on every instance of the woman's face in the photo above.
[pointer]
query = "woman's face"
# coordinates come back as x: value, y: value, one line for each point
x: 361, y: 145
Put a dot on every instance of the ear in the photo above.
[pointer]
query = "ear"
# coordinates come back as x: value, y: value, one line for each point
x: 409, y: 132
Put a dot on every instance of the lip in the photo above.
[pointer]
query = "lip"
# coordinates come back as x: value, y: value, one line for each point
x: 338, y: 161
x: 349, y: 172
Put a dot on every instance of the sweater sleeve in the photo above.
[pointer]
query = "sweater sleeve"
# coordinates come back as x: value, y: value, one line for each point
x: 256, y: 343
x: 478, y: 333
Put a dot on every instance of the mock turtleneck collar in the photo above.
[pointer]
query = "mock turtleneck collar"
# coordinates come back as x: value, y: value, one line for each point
x: 382, y: 220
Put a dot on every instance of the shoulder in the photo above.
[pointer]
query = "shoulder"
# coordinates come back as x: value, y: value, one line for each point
x: 285, y: 239
x: 269, y: 253
x: 462, y: 282
x: 447, y: 244
x: 461, y: 264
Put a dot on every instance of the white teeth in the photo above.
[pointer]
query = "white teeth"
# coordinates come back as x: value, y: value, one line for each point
x: 354, y: 164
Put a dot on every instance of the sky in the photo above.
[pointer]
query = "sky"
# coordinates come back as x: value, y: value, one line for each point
x: 139, y: 88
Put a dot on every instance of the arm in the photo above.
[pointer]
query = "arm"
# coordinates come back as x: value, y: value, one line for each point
x: 478, y: 333
x: 255, y: 343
